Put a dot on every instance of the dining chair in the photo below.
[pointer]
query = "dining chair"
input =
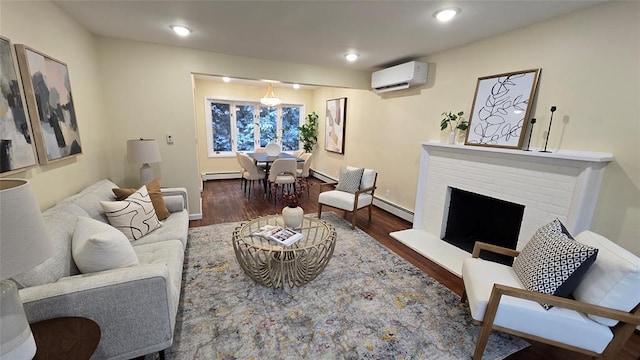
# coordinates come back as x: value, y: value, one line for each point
x: 281, y: 173
x: 302, y: 171
x: 242, y: 169
x: 261, y: 166
x: 251, y: 173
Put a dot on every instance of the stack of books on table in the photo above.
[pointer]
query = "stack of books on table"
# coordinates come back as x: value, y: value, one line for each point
x: 279, y: 234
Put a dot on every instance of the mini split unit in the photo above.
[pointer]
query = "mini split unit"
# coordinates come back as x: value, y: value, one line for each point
x: 399, y: 77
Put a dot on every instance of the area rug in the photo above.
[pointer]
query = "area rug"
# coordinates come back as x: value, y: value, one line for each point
x: 368, y: 303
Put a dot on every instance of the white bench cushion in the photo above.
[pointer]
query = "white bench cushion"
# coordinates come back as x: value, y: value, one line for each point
x: 562, y: 325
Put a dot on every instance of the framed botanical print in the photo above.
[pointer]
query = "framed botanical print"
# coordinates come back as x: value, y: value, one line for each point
x: 501, y: 109
x: 335, y: 125
x: 17, y: 152
x: 48, y: 93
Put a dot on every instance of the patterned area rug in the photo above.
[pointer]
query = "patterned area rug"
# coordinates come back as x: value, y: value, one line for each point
x: 368, y: 303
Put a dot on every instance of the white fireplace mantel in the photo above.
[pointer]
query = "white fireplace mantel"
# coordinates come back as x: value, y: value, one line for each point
x: 559, y: 184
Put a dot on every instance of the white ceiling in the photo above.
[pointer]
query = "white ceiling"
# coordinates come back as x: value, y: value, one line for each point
x: 318, y: 33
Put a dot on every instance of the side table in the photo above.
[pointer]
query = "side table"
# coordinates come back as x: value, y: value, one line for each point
x: 66, y: 338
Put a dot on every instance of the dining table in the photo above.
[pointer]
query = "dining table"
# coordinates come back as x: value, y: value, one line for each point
x: 262, y: 157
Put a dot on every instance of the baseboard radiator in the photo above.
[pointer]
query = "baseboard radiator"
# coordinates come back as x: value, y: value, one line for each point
x: 220, y: 175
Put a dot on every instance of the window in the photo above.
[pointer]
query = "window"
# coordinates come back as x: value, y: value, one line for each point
x: 241, y: 126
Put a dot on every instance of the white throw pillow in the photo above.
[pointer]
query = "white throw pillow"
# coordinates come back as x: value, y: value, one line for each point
x: 96, y: 246
x: 134, y: 216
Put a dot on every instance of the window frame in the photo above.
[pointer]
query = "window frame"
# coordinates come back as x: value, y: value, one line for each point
x: 233, y: 103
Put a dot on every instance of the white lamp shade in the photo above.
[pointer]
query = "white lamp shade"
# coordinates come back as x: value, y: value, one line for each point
x: 143, y: 151
x: 24, y: 243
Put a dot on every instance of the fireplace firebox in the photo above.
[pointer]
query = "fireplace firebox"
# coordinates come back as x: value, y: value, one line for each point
x: 473, y: 217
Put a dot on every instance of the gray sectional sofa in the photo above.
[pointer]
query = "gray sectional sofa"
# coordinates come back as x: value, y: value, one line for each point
x: 135, y: 307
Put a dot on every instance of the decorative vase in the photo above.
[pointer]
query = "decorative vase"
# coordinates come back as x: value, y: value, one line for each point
x: 292, y: 216
x: 452, y: 138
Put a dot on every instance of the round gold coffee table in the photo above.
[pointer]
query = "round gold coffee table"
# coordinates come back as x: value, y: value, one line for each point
x: 273, y: 265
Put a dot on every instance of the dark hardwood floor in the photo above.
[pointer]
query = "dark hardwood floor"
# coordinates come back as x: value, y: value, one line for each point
x: 223, y: 201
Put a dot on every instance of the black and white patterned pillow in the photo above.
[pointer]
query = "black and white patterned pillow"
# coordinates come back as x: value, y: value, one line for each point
x: 134, y: 216
x: 349, y: 180
x: 552, y: 262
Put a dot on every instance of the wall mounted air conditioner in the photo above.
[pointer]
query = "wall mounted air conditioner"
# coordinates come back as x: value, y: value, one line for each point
x: 399, y: 77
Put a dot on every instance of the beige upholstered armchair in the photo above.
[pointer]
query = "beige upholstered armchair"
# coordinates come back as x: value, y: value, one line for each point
x: 598, y: 322
x: 346, y: 200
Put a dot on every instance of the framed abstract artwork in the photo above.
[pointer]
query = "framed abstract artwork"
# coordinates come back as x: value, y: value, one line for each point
x: 335, y: 125
x: 501, y: 109
x: 17, y: 152
x: 47, y: 90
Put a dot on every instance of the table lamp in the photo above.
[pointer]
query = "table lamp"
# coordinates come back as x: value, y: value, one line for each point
x: 144, y: 151
x: 24, y: 244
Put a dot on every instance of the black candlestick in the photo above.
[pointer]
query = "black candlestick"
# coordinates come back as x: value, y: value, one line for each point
x: 533, y: 121
x: 553, y: 109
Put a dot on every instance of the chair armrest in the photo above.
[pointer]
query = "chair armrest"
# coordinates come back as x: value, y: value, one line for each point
x: 372, y: 189
x: 499, y: 290
x: 479, y: 246
x: 119, y: 301
x: 174, y: 203
x: 324, y: 186
x: 176, y: 191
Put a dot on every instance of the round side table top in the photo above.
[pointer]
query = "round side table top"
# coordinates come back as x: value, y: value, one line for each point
x: 67, y: 338
x: 272, y: 264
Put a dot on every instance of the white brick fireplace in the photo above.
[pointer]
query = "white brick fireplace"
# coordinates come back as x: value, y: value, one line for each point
x: 563, y: 184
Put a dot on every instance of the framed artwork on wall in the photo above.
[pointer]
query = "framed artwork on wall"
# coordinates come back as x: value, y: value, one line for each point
x: 48, y: 93
x: 501, y: 109
x: 335, y: 125
x: 17, y: 152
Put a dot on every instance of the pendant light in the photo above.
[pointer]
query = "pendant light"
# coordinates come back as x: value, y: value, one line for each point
x: 270, y: 98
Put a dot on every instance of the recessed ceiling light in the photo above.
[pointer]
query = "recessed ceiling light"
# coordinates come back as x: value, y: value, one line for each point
x: 226, y: 79
x: 180, y: 30
x: 445, y: 15
x: 351, y: 57
x: 296, y: 86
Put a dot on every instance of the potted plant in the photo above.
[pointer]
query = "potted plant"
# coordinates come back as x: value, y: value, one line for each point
x: 292, y: 213
x: 309, y: 132
x: 453, y: 122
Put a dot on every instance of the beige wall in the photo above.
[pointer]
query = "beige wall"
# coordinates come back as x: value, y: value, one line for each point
x: 590, y: 70
x: 150, y: 93
x: 215, y: 89
x: 44, y: 27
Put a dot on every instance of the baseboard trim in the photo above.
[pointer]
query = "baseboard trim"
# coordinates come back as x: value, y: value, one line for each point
x: 197, y: 216
x: 383, y: 204
x: 222, y: 175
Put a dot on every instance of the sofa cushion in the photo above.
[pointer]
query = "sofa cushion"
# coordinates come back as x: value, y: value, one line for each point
x: 349, y: 180
x: 175, y: 227
x: 60, y: 222
x: 89, y: 199
x: 134, y: 216
x: 552, y: 262
x: 153, y: 188
x: 97, y: 246
x: 613, y: 280
x: 558, y: 324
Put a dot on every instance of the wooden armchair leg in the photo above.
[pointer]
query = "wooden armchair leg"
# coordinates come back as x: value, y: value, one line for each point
x: 319, y: 210
x: 463, y: 298
x: 483, y: 338
x: 354, y: 217
x: 370, y: 206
